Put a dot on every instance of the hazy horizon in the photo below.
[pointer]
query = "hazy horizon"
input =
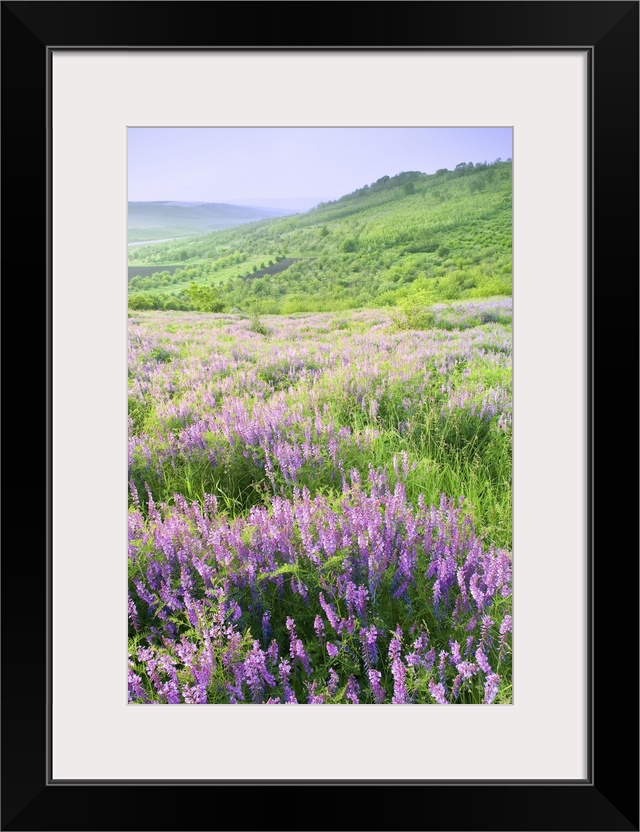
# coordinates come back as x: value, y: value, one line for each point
x: 299, y: 204
x: 293, y: 168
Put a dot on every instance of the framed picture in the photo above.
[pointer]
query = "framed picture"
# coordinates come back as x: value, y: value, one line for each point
x: 563, y: 77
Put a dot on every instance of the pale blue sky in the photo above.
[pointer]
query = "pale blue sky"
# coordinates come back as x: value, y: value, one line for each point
x: 293, y: 167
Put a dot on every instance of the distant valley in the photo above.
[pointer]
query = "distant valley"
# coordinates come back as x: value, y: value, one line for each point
x: 161, y: 221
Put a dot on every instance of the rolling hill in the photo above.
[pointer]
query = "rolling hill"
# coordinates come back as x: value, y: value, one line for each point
x: 403, y: 239
x: 155, y: 220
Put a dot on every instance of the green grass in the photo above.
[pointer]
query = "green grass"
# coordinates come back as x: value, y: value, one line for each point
x: 458, y: 454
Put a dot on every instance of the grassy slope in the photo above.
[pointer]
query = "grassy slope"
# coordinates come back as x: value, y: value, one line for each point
x: 439, y: 237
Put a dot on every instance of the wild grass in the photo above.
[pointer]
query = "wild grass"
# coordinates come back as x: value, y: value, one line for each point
x: 320, y: 480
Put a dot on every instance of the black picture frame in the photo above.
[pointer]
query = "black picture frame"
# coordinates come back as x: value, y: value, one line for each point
x: 608, y: 798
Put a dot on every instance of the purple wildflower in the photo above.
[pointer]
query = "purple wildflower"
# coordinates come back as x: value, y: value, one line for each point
x: 395, y: 645
x: 285, y: 672
x: 133, y: 616
x: 353, y: 689
x: 361, y: 596
x: 256, y: 673
x: 296, y: 647
x: 266, y: 626
x: 368, y: 638
x: 441, y: 664
x: 457, y: 682
x: 505, y: 628
x: 485, y: 638
x: 136, y: 690
x: 332, y: 684
x: 376, y: 688
x: 329, y: 612
x: 483, y: 661
x: 430, y: 658
x: 348, y: 624
x: 438, y: 692
x: 412, y: 659
x: 421, y: 643
x: 284, y: 669
x: 313, y: 698
x: 272, y: 652
x: 400, y: 693
x: 456, y: 658
x: 467, y: 669
x: 476, y: 592
x: 491, y: 688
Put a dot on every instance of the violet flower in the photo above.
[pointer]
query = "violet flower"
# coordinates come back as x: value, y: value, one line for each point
x: 353, y: 689
x: 491, y: 688
x: 438, y: 692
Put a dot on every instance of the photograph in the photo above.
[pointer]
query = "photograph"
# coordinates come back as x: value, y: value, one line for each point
x: 320, y: 415
x: 332, y: 309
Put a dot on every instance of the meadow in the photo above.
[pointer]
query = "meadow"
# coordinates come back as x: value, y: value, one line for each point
x: 320, y: 505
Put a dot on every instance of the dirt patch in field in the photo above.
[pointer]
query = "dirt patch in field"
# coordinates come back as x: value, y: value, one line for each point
x: 147, y: 271
x: 275, y: 269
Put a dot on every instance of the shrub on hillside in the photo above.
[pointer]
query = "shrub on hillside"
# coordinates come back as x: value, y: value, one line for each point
x: 258, y: 327
x: 414, y: 313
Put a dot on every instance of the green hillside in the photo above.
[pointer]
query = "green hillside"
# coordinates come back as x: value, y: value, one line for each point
x: 431, y: 237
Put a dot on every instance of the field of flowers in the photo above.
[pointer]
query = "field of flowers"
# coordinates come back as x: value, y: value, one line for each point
x: 320, y: 508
